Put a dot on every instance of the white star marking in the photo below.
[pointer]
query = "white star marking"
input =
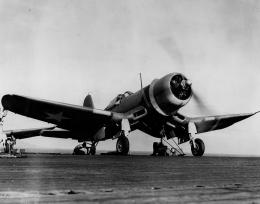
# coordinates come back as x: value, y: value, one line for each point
x: 57, y: 117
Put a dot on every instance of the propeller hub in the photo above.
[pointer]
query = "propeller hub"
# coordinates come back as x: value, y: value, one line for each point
x: 181, y: 87
x: 189, y: 82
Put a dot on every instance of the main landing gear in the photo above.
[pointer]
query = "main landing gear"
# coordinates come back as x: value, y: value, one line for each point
x: 122, y: 145
x: 197, y: 147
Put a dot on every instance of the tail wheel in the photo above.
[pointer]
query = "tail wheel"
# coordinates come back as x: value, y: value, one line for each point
x: 198, y: 148
x: 122, y: 145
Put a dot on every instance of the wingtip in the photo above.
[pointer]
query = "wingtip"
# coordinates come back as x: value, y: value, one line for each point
x: 5, y: 101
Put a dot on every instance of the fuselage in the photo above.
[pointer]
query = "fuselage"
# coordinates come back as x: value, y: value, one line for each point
x: 152, y: 106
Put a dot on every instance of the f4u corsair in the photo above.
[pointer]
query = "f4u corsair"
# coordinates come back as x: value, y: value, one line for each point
x: 153, y: 109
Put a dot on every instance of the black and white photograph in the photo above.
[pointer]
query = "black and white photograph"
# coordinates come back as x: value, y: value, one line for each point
x: 130, y: 101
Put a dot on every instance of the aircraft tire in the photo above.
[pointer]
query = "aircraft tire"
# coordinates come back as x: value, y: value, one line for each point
x: 155, y: 148
x: 122, y: 145
x: 199, y: 148
x: 92, y: 150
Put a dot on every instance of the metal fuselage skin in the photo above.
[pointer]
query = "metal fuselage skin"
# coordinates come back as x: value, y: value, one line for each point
x: 153, y: 106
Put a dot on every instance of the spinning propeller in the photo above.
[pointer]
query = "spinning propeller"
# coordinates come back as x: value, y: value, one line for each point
x: 200, y: 103
x: 180, y: 85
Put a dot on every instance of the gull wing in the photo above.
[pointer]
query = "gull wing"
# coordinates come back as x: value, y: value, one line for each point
x: 65, y: 116
x: 210, y: 123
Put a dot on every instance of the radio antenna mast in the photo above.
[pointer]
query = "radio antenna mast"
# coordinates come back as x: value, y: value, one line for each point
x: 144, y: 97
x: 141, y: 80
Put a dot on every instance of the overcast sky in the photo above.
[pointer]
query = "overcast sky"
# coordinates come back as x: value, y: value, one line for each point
x: 63, y: 49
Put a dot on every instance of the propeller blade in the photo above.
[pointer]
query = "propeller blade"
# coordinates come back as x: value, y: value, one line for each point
x: 201, y: 104
x: 170, y: 46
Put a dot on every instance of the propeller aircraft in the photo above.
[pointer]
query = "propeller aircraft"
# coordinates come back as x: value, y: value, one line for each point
x: 154, y: 109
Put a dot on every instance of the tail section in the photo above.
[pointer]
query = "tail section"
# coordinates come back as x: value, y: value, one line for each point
x: 88, y: 102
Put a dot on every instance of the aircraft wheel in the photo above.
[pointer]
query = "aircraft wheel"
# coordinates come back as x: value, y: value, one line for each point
x: 199, y: 148
x: 122, y: 145
x: 92, y: 150
x: 155, y: 148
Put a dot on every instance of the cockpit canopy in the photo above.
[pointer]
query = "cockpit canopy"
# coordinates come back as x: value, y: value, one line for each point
x: 117, y: 100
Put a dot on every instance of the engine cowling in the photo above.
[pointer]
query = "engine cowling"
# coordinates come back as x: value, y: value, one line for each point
x: 170, y: 93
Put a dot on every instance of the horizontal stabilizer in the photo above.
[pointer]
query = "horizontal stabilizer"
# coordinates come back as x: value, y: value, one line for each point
x: 26, y: 133
x: 59, y: 134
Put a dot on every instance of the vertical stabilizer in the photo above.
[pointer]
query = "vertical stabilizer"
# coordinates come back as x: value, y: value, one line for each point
x: 88, y: 102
